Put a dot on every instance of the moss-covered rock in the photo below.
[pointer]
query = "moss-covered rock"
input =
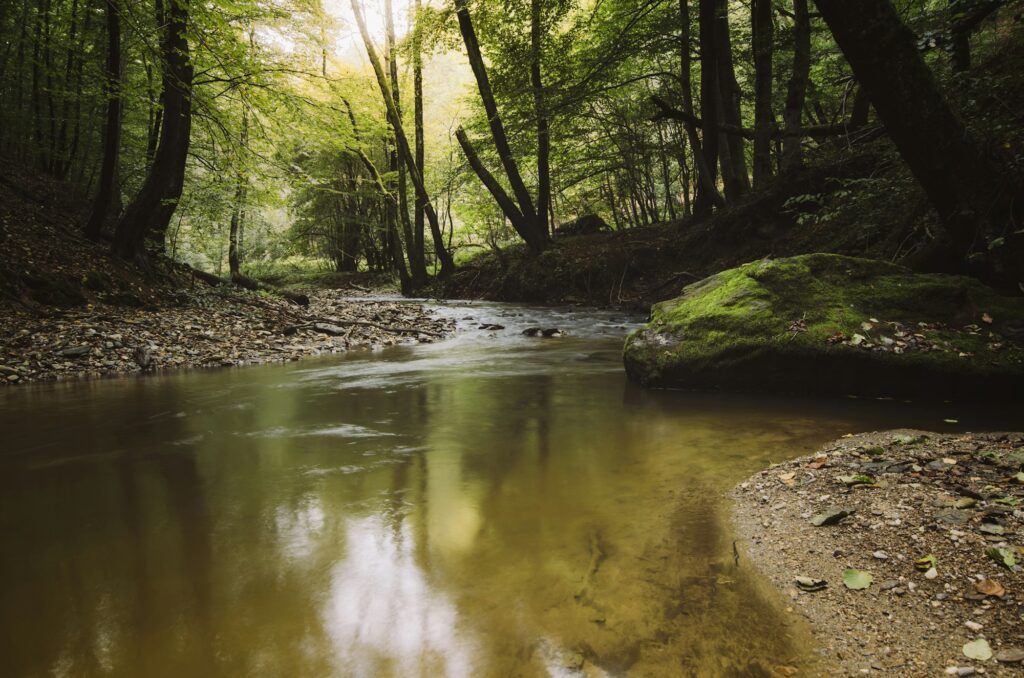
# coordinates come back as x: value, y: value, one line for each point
x: 823, y: 323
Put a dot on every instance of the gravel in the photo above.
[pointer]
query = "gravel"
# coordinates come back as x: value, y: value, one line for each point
x: 908, y: 495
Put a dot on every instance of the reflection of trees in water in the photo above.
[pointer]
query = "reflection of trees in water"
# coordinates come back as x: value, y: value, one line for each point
x: 383, y: 614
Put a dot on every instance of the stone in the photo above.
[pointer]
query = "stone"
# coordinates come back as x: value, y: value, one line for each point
x: 732, y: 331
x: 831, y: 516
x: 1010, y: 655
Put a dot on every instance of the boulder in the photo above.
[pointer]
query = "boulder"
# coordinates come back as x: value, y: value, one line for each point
x: 829, y: 324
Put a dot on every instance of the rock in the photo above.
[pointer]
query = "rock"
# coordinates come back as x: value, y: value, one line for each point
x: 953, y: 516
x: 74, y: 352
x: 327, y: 328
x: 531, y: 331
x: 143, y: 358
x: 880, y: 555
x: 1010, y: 655
x: 831, y: 516
x: 732, y: 331
x: 551, y: 332
x: 889, y: 584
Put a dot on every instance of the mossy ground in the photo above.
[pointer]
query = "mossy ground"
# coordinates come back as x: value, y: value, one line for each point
x: 793, y: 325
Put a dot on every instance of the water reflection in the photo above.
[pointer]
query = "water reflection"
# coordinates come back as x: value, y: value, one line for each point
x: 484, y: 506
x: 382, y: 613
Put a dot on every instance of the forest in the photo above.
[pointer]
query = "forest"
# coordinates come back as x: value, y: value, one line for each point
x: 277, y: 137
x: 538, y: 337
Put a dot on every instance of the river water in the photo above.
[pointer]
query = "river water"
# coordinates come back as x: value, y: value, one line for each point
x: 490, y: 505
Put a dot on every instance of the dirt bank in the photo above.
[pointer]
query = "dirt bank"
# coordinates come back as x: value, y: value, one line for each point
x: 934, y: 519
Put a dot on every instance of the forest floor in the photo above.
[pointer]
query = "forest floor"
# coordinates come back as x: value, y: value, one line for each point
x: 68, y: 309
x: 915, y: 570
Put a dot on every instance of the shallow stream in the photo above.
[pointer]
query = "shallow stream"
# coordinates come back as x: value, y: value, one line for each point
x: 490, y: 505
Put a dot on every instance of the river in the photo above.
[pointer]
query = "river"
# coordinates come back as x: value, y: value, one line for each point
x: 489, y: 505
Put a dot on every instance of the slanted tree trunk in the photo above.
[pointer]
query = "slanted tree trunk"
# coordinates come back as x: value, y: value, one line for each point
x: 764, y: 119
x: 112, y: 129
x: 708, y: 100
x: 537, y: 240
x: 442, y: 253
x: 734, y: 172
x: 792, y: 153
x: 543, y: 135
x: 968, y: 188
x: 151, y: 210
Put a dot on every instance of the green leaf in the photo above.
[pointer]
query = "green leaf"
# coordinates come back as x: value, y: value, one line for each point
x: 855, y: 580
x: 1006, y: 557
x: 925, y: 563
x: 978, y: 649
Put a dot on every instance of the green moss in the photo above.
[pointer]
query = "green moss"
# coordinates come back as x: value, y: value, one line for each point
x: 770, y: 317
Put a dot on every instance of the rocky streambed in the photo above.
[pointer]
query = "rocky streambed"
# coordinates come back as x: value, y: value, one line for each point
x: 901, y: 548
x: 200, y: 327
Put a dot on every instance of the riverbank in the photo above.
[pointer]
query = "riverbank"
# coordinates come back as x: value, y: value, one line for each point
x: 935, y: 522
x: 200, y: 326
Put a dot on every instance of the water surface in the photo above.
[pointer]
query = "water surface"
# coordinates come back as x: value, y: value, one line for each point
x: 492, y: 505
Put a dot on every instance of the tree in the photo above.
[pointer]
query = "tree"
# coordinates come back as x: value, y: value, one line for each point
x: 151, y: 210
x: 764, y: 120
x: 443, y: 255
x: 112, y: 129
x: 522, y: 212
x: 967, y: 188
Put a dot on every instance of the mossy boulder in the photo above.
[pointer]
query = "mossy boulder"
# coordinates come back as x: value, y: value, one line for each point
x: 829, y: 324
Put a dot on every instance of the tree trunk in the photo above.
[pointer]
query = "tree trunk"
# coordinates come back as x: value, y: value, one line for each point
x: 522, y: 225
x: 705, y: 174
x: 764, y: 119
x: 736, y: 179
x: 967, y: 188
x: 417, y: 262
x: 443, y: 255
x: 543, y: 136
x: 792, y: 154
x: 417, y: 93
x: 960, y: 38
x: 151, y: 210
x: 112, y: 130
x: 708, y: 100
x: 241, y: 184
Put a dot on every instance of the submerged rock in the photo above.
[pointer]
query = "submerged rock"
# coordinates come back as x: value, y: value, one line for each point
x: 824, y: 323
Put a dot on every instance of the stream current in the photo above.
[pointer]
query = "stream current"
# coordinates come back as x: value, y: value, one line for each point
x: 489, y: 505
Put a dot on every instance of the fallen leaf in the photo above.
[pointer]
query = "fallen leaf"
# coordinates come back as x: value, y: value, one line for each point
x: 855, y: 580
x: 925, y: 563
x: 978, y: 649
x: 986, y: 318
x: 818, y: 462
x: 786, y: 670
x: 1006, y: 557
x: 990, y: 587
